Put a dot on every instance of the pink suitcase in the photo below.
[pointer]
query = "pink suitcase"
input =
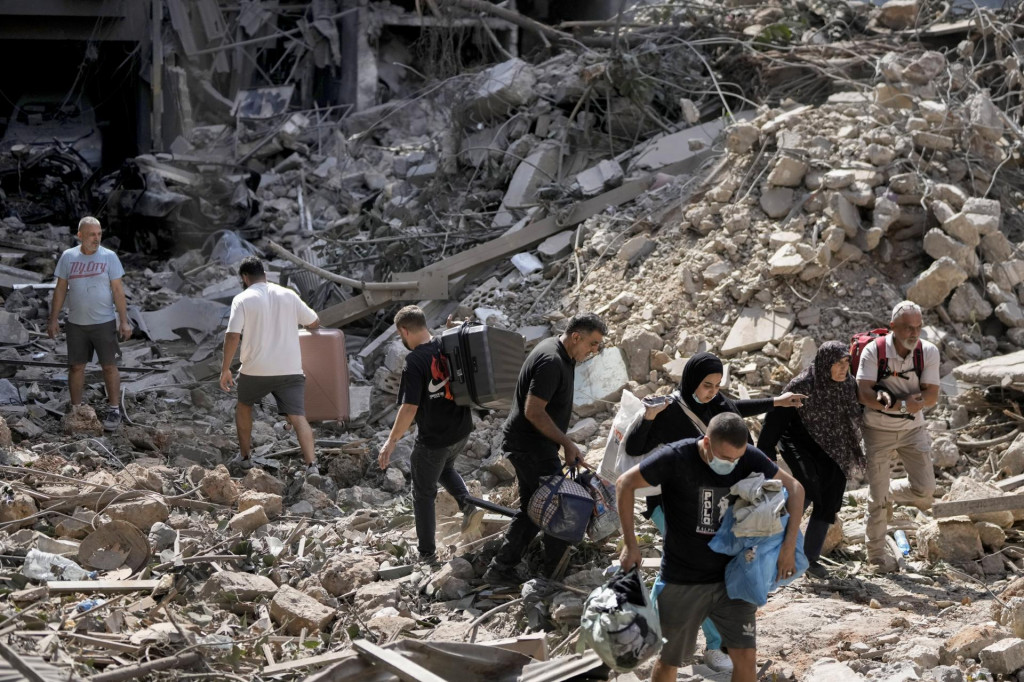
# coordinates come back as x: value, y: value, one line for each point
x: 326, y: 368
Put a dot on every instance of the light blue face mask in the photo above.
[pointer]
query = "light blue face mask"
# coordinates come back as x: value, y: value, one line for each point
x: 722, y: 467
x: 697, y: 400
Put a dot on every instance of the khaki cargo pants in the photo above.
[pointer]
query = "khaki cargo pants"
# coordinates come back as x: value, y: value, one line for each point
x: 913, y: 447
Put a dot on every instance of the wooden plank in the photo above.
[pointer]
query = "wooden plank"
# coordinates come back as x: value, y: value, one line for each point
x: 104, y: 586
x: 288, y: 666
x: 534, y: 645
x: 22, y: 275
x: 941, y: 510
x: 510, y: 244
x: 106, y: 643
x: 182, y: 26
x: 646, y: 562
x: 395, y: 663
x: 505, y: 245
x: 1011, y: 483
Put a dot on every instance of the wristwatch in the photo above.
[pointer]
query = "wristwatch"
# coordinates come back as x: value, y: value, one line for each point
x: 903, y: 407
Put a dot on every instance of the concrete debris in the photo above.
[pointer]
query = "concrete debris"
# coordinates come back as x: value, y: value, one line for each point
x: 754, y: 328
x: 520, y: 190
x: 298, y: 612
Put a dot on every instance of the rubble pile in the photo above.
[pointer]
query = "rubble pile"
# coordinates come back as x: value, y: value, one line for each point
x: 692, y: 212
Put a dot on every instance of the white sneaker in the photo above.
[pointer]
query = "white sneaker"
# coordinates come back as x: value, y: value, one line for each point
x: 717, y: 660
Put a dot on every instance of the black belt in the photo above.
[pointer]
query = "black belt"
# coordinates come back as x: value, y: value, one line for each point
x: 893, y: 416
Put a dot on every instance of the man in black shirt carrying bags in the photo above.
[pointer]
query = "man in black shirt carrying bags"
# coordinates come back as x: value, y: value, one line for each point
x: 535, y: 429
x: 696, y: 476
x: 425, y: 396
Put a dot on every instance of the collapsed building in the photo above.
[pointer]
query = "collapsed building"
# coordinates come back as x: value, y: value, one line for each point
x: 750, y: 180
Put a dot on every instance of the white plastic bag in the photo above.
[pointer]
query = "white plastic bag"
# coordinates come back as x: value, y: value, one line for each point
x: 616, y: 461
x: 630, y: 408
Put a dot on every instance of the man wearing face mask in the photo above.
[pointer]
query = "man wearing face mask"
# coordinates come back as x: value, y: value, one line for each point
x: 686, y: 414
x: 695, y: 476
x: 534, y: 431
x: 425, y: 396
x: 895, y: 394
x: 265, y: 321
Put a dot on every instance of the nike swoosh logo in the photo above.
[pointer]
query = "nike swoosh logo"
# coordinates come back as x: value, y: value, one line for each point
x: 434, y: 388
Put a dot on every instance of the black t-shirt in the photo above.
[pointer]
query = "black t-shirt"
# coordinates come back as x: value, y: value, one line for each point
x: 695, y: 498
x: 425, y: 383
x: 548, y: 374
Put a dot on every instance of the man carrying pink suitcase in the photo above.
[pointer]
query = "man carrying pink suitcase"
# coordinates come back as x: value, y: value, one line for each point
x: 265, y: 321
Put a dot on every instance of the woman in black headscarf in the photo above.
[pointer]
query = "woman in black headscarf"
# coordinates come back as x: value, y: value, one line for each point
x: 687, y: 411
x: 820, y: 441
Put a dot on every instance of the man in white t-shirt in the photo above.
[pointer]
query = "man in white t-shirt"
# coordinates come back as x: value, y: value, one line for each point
x: 894, y: 402
x: 265, y: 321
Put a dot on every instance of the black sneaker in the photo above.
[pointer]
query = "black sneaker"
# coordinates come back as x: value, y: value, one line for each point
x: 112, y: 419
x: 430, y: 560
x: 499, y: 574
x: 818, y: 571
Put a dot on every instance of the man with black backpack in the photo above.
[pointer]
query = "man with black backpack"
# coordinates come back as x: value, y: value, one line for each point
x: 425, y: 396
x: 897, y: 378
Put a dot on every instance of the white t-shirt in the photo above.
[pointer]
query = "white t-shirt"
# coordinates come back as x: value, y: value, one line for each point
x: 906, y: 384
x: 268, y: 318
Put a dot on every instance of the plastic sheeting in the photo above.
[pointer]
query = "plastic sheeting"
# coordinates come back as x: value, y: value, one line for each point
x: 751, y: 574
x: 619, y: 622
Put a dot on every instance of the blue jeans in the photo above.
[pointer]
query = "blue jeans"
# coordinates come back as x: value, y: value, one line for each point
x: 711, y: 635
x: 430, y: 466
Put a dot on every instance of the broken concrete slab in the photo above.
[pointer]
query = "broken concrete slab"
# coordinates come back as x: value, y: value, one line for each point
x: 969, y: 641
x: 669, y: 150
x: 599, y: 380
x: 538, y: 168
x: 788, y: 171
x: 636, y: 248
x: 831, y: 670
x: 637, y: 344
x: 232, y: 586
x: 142, y: 513
x: 754, y: 328
x: 1004, y: 657
x: 1000, y: 370
x: 498, y: 90
x: 556, y: 246
x: 777, y: 202
x: 600, y: 178
x: 185, y: 313
x: 299, y: 612
x: 534, y: 334
x: 932, y: 286
x: 952, y: 539
x: 786, y: 261
x: 359, y: 402
x: 249, y: 520
x: 11, y: 330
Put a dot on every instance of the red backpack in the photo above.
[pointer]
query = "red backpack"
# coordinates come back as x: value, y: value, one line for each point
x: 862, y: 339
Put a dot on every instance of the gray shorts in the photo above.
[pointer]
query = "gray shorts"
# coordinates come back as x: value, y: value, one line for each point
x: 682, y: 608
x: 289, y: 390
x: 83, y: 339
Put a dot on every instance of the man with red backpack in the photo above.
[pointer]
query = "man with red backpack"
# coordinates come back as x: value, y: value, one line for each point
x: 425, y: 397
x: 897, y: 378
